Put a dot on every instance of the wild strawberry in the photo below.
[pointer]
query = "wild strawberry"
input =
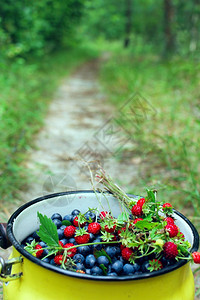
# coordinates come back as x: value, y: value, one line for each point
x: 137, y: 210
x: 181, y: 236
x: 196, y: 257
x: 169, y: 221
x: 141, y: 201
x: 61, y: 244
x: 122, y: 247
x: 69, y: 231
x: 70, y: 252
x: 120, y: 230
x: 40, y: 250
x: 77, y: 223
x: 80, y: 271
x: 82, y: 236
x: 110, y: 228
x: 167, y: 205
x: 172, y: 230
x: 155, y: 265
x: 94, y: 227
x: 58, y: 259
x: 170, y: 250
x: 126, y: 253
x: 104, y: 214
x: 136, y: 220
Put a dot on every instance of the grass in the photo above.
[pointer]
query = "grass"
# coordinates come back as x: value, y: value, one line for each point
x: 27, y: 87
x: 162, y: 118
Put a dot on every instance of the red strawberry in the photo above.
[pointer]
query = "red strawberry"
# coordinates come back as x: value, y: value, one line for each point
x: 58, y: 259
x: 103, y: 214
x: 172, y: 229
x: 137, y: 210
x: 155, y: 265
x: 40, y: 250
x: 82, y: 236
x: 167, y: 205
x: 136, y: 220
x: 169, y: 221
x: 141, y: 201
x: 69, y: 231
x: 170, y: 250
x: 122, y: 247
x: 181, y: 236
x: 109, y: 228
x: 126, y: 253
x: 72, y: 251
x: 77, y: 224
x: 196, y: 257
x: 61, y: 244
x: 94, y: 227
x: 121, y: 229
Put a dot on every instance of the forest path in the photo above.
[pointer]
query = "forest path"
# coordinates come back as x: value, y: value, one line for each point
x: 78, y: 126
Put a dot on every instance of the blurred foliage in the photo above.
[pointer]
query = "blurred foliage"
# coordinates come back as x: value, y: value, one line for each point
x: 37, y: 27
x: 107, y: 19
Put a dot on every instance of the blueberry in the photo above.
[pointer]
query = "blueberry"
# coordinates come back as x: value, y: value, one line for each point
x: 79, y: 258
x: 45, y: 252
x: 52, y: 262
x: 43, y: 244
x: 118, y: 250
x: 90, y: 261
x: 166, y: 262
x: 47, y: 260
x: 136, y: 267
x: 117, y: 266
x: 128, y: 269
x: 114, y: 259
x: 80, y: 266
x: 60, y: 233
x: 75, y: 212
x: 63, y: 227
x: 56, y: 216
x: 145, y: 266
x: 92, y: 237
x: 96, y: 271
x: 29, y: 240
x: 103, y: 260
x: 111, y: 251
x: 68, y: 218
x: 64, y: 241
x: 88, y: 271
x: 121, y: 259
x: 72, y: 240
x: 112, y: 274
x: 57, y: 222
x: 98, y: 247
x: 35, y: 235
x: 84, y: 250
x: 90, y: 216
x: 86, y: 227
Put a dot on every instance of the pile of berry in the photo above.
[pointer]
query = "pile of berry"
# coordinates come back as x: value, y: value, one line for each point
x: 145, y: 239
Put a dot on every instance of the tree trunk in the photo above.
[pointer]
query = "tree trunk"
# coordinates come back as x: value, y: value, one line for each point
x: 168, y: 26
x: 128, y: 15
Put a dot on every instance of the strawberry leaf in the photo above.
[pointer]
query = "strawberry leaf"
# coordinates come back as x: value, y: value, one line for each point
x: 66, y: 223
x: 48, y: 231
x: 104, y: 269
x: 102, y: 252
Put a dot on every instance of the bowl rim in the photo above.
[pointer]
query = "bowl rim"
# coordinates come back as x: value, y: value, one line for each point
x: 55, y: 269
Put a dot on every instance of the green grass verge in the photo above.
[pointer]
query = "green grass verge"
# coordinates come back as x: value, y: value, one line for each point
x: 26, y: 88
x: 163, y: 121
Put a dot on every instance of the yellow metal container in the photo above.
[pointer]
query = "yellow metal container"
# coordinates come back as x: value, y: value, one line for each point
x: 44, y: 281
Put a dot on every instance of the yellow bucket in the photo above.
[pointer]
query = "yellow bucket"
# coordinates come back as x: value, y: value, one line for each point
x: 39, y: 280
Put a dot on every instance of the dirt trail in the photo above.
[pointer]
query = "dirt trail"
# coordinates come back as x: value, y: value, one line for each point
x: 78, y: 126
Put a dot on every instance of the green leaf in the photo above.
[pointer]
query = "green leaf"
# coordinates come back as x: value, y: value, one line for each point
x: 145, y: 225
x: 123, y: 217
x: 48, y: 231
x: 66, y: 223
x: 102, y: 252
x: 104, y: 269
